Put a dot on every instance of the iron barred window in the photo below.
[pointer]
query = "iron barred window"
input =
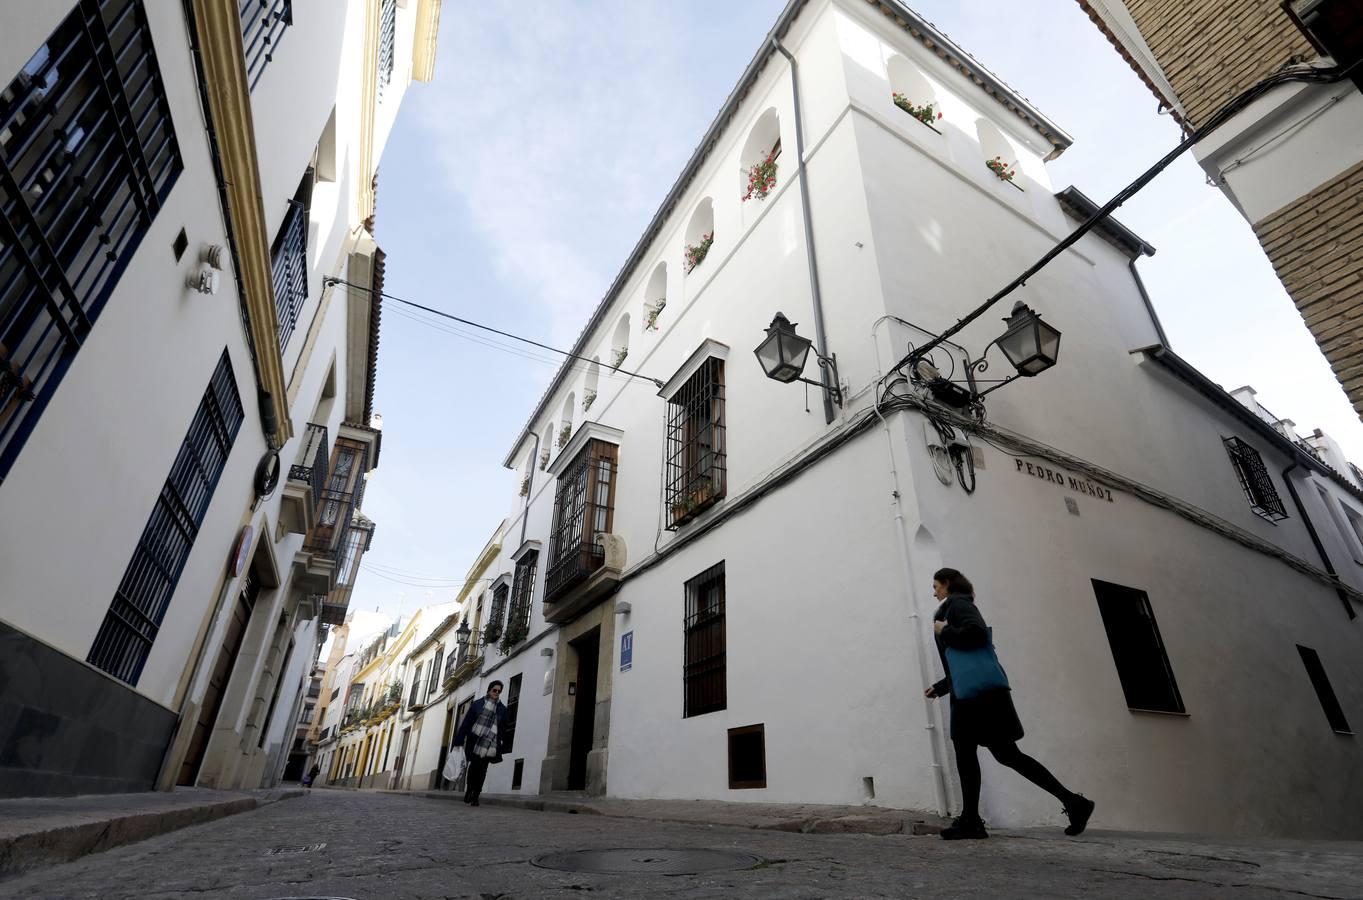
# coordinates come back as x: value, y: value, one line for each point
x: 87, y: 157
x: 704, y: 673
x: 1254, y: 479
x: 262, y: 26
x: 139, y: 605
x: 518, y: 618
x: 584, y: 505
x: 416, y: 686
x: 696, y: 470
x: 388, y: 29
x: 496, y: 614
x: 289, y: 268
x: 435, y: 671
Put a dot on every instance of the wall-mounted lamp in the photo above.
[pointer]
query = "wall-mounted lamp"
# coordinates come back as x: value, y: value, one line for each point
x: 1030, y: 345
x: 622, y: 608
x: 461, y: 637
x: 782, y: 355
x: 546, y: 651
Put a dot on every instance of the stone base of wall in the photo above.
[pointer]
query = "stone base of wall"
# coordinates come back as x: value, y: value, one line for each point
x: 66, y: 729
x: 1316, y: 247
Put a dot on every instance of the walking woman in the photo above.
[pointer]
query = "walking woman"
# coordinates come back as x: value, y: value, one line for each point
x: 984, y: 714
x: 482, y: 733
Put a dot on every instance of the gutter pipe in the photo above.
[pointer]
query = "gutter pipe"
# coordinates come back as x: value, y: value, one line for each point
x: 820, y: 337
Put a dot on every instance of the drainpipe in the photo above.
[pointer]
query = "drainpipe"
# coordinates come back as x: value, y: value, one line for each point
x: 1315, y: 538
x: 935, y: 738
x: 1149, y: 307
x: 820, y: 339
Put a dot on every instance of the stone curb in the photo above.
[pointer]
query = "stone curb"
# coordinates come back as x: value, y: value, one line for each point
x: 872, y: 825
x: 64, y: 843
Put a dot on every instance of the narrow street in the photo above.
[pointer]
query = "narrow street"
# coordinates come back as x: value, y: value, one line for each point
x: 394, y: 846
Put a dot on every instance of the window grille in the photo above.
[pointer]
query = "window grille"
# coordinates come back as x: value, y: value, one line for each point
x: 263, y: 23
x: 1137, y: 649
x: 346, y: 475
x: 493, y: 630
x: 87, y: 157
x: 416, y: 686
x: 1254, y: 479
x: 130, y: 627
x: 696, y: 462
x: 388, y: 28
x: 289, y: 270
x: 704, y: 673
x: 513, y: 708
x: 518, y: 618
x: 584, y: 504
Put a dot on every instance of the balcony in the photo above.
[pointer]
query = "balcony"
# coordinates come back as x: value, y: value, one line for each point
x: 307, y: 480
x: 262, y: 26
x: 583, y: 577
x: 464, y: 665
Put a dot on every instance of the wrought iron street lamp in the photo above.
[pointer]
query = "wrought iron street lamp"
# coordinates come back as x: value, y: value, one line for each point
x: 782, y: 355
x: 1030, y: 345
x: 461, y: 637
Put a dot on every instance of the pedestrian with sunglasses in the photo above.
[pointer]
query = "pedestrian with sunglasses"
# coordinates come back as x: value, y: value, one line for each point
x: 482, y: 734
x: 982, y: 712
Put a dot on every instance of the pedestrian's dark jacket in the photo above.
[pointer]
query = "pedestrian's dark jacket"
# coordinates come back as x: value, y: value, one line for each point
x: 464, y: 735
x: 989, y: 718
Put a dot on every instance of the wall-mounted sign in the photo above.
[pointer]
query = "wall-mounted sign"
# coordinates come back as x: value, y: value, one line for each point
x: 1064, y: 481
x: 626, y: 651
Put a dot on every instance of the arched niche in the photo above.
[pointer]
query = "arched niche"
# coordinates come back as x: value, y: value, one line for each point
x: 620, y: 343
x: 546, y: 445
x: 565, y: 421
x: 763, y: 143
x: 994, y: 144
x: 655, y: 297
x: 591, y: 385
x: 909, y: 82
x: 700, y: 235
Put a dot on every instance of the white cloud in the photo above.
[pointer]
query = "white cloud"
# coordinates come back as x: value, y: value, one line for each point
x: 556, y: 137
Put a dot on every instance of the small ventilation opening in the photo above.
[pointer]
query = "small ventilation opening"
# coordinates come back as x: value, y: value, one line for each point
x: 180, y: 245
x: 747, y: 757
x: 868, y: 787
x: 517, y: 771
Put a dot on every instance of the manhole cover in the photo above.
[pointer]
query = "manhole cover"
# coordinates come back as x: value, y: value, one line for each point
x: 646, y: 862
x: 308, y: 849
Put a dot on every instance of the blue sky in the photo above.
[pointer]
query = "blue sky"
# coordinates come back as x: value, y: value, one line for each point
x: 515, y: 184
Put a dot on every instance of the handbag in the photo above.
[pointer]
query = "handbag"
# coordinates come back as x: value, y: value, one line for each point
x: 975, y: 672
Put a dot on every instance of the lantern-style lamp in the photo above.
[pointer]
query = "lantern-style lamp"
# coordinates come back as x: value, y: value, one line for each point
x: 1029, y: 343
x: 461, y: 636
x: 782, y: 353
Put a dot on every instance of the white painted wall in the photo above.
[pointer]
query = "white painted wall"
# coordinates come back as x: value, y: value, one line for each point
x: 910, y: 224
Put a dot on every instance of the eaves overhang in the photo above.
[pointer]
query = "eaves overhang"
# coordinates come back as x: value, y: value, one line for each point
x: 921, y: 29
x: 1078, y: 204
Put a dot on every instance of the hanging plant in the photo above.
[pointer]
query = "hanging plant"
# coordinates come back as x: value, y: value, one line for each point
x: 588, y: 398
x: 525, y: 486
x: 564, y: 434
x: 651, y: 313
x: 618, y: 356
x: 925, y: 113
x: 1000, y: 168
x: 761, y: 178
x: 544, y: 459
x: 695, y: 253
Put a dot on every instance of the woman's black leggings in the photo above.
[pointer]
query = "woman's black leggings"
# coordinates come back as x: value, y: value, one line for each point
x: 1008, y: 754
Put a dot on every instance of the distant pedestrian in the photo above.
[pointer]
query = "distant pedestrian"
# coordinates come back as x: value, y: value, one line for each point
x: 482, y: 734
x: 982, y: 713
x: 309, y: 778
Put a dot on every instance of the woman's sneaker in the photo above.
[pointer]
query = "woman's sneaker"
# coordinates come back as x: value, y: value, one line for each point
x: 1079, y: 809
x: 963, y: 829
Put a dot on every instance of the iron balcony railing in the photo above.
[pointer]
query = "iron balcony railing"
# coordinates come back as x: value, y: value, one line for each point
x: 388, y: 29
x: 312, y: 460
x: 572, y: 568
x: 262, y: 26
x: 290, y: 270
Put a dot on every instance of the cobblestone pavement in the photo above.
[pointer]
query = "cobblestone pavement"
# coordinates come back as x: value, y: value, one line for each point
x: 389, y: 846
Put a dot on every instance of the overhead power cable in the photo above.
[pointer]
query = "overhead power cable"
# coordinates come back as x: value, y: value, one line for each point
x: 506, y: 334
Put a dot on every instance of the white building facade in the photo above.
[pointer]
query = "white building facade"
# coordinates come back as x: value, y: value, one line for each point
x: 717, y: 586
x: 178, y: 181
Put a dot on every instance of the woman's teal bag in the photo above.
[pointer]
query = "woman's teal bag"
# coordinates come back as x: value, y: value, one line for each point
x: 975, y: 672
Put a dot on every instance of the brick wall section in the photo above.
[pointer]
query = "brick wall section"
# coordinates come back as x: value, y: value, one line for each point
x: 1316, y: 245
x: 1211, y: 50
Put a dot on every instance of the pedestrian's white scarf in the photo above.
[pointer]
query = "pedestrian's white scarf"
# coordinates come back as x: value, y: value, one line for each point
x: 485, y: 730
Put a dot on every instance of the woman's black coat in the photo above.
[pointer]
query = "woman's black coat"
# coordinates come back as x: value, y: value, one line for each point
x: 989, y: 718
x: 464, y: 736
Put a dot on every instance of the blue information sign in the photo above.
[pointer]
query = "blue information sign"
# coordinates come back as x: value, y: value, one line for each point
x: 626, y: 651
